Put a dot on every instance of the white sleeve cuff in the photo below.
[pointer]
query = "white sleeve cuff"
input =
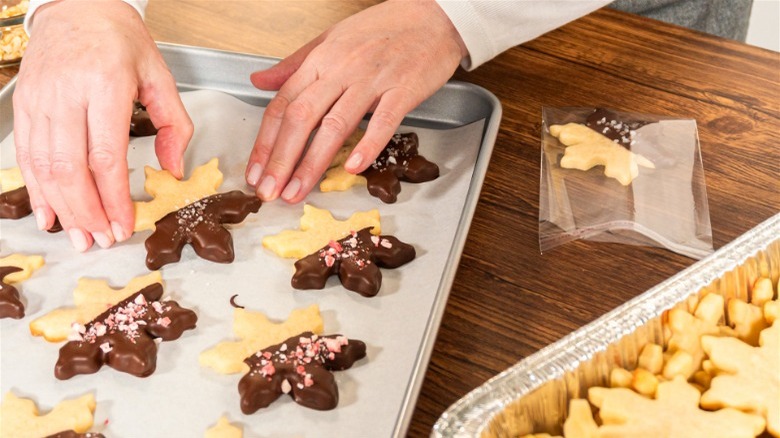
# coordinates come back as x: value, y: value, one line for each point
x: 138, y: 5
x: 490, y: 27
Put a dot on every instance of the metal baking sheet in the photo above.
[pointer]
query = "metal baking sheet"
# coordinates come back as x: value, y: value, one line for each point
x: 533, y: 395
x: 181, y: 399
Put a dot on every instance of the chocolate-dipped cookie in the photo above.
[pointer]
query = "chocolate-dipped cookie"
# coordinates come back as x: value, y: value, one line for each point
x: 10, y: 304
x: 398, y: 161
x: 200, y: 224
x: 301, y: 367
x: 356, y: 259
x: 15, y: 204
x: 140, y: 123
x: 125, y: 337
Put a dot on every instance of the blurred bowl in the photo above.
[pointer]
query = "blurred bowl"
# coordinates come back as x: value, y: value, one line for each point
x: 13, y: 38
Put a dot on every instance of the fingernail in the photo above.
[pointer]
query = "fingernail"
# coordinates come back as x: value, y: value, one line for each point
x: 103, y: 239
x: 40, y: 219
x: 119, y: 233
x: 79, y: 239
x: 292, y: 189
x: 267, y: 187
x: 354, y: 161
x: 253, y: 176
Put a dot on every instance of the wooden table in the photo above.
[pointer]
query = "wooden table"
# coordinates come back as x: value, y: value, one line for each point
x: 508, y: 300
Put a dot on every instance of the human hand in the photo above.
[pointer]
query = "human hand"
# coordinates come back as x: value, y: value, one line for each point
x: 386, y: 59
x: 85, y: 64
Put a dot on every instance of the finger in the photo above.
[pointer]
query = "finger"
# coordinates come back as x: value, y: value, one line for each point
x: 44, y: 215
x: 334, y: 130
x: 40, y: 159
x: 70, y: 170
x: 108, y: 142
x: 274, y: 77
x: 301, y: 117
x: 389, y: 113
x: 271, y: 123
x: 166, y: 110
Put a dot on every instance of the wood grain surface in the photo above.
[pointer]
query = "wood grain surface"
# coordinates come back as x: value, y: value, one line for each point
x: 508, y: 300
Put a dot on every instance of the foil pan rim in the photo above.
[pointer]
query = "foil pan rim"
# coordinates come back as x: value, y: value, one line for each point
x: 472, y: 413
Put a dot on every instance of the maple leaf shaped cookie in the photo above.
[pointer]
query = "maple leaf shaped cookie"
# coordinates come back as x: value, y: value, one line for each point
x: 301, y: 367
x: 27, y: 263
x: 15, y: 268
x: 171, y: 194
x: 687, y: 330
x: 255, y: 332
x: 125, y: 336
x: 200, y: 224
x: 398, y: 161
x: 586, y: 148
x: 223, y: 429
x: 14, y: 199
x: 20, y: 418
x: 673, y: 413
x: 91, y: 297
x: 356, y: 259
x: 10, y: 304
x: 748, y: 378
x: 318, y: 227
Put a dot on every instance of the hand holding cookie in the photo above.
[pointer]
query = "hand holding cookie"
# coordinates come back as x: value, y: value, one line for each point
x: 72, y: 108
x: 334, y: 80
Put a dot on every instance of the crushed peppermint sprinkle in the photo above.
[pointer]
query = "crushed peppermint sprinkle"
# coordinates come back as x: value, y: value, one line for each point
x: 309, y: 349
x: 350, y: 248
x: 286, y: 387
x: 126, y: 319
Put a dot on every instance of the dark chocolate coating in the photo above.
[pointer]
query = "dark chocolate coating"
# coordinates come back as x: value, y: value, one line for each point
x: 73, y: 434
x: 15, y: 204
x: 398, y: 161
x: 301, y: 367
x: 123, y: 336
x: 615, y: 128
x: 200, y: 225
x: 356, y: 259
x: 10, y: 304
x: 140, y: 123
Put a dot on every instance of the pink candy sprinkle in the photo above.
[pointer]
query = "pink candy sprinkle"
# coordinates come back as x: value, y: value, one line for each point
x: 300, y: 369
x: 268, y: 369
x: 164, y: 321
x: 329, y: 260
x: 106, y: 347
x: 333, y: 345
x: 335, y: 245
x: 386, y: 243
x: 308, y: 381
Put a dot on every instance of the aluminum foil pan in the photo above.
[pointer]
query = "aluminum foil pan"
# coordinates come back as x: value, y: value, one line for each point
x: 533, y: 395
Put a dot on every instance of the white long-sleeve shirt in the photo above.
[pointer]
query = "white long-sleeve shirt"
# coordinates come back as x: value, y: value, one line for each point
x: 487, y: 27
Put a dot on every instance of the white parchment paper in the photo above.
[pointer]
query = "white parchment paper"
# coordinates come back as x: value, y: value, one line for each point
x: 181, y: 399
